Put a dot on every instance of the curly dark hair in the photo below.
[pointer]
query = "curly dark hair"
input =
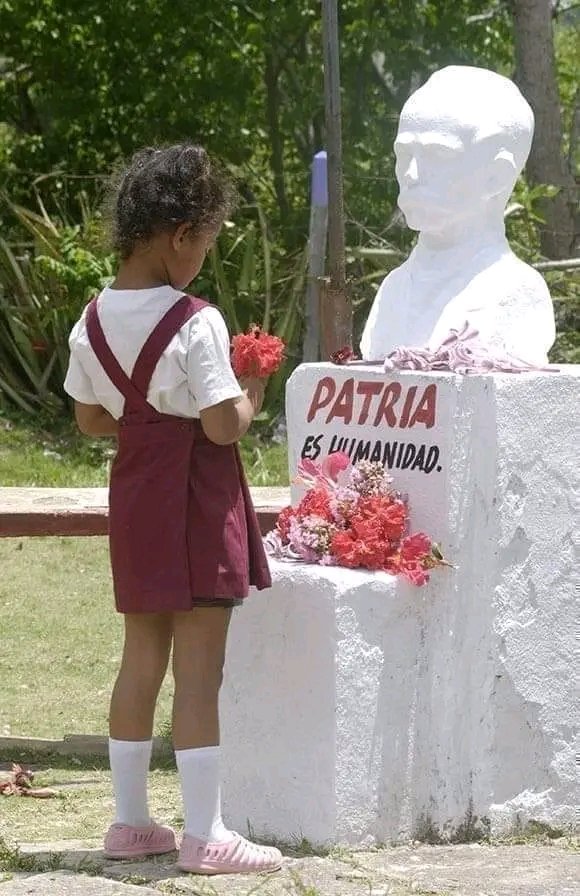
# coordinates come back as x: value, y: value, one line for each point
x: 163, y: 188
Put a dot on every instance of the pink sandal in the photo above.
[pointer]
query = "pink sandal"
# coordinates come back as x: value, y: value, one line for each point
x: 123, y: 841
x: 237, y: 856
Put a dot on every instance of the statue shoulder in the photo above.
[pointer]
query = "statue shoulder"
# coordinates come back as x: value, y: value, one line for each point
x: 394, y: 279
x: 390, y: 295
x: 509, y: 277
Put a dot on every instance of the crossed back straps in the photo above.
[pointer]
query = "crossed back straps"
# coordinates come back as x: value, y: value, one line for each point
x: 134, y: 389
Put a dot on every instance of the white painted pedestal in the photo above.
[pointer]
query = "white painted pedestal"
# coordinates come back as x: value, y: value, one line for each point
x: 358, y: 708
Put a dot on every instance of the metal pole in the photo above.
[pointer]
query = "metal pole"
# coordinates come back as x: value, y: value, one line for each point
x: 336, y: 308
x: 316, y: 256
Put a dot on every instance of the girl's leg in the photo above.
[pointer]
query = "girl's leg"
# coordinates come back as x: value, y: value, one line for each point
x: 208, y: 847
x: 143, y: 667
x: 199, y: 644
x: 145, y: 658
x: 199, y: 649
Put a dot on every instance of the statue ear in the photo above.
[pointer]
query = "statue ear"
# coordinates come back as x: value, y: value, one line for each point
x: 503, y: 174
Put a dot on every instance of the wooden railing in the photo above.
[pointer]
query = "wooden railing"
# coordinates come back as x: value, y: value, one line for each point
x: 84, y: 511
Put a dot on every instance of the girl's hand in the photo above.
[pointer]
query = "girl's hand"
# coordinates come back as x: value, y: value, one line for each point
x: 227, y: 422
x: 94, y: 420
x: 255, y: 388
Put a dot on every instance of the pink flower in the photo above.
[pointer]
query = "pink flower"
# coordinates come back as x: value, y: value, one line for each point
x: 342, y: 504
x: 309, y: 468
x: 369, y: 478
x: 310, y: 537
x: 352, y: 517
x: 334, y: 464
x: 326, y: 472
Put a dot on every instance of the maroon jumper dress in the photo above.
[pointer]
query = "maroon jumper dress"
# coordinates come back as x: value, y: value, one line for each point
x: 182, y: 527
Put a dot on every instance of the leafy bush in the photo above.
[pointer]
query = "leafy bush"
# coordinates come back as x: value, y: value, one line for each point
x: 251, y: 276
x: 256, y: 281
x: 522, y: 220
x: 43, y: 289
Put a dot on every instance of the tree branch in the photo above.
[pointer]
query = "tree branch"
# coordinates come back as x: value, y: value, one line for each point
x: 251, y: 12
x: 285, y: 56
x: 221, y: 27
x: 482, y: 16
x: 276, y: 138
x: 574, y: 130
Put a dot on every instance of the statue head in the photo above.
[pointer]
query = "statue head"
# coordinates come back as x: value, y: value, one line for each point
x: 463, y: 139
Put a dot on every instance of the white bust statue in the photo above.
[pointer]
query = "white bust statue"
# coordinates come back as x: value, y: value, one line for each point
x: 463, y: 139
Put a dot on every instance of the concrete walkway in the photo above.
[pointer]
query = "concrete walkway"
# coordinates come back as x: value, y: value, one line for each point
x: 470, y: 870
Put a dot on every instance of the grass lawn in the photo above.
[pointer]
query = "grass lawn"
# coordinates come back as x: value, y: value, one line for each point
x: 61, y: 638
x: 83, y: 808
x: 39, y: 456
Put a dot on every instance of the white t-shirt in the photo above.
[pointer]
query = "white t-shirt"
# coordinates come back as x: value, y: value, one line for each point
x: 193, y: 373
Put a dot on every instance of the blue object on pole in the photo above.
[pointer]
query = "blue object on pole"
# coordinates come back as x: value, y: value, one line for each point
x: 320, y: 180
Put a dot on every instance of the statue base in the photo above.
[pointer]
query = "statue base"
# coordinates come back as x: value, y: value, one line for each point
x: 360, y: 709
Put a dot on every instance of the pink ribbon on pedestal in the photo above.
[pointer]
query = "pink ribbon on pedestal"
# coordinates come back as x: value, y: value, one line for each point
x: 461, y: 352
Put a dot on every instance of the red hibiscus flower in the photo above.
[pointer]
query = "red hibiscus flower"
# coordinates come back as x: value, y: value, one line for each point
x: 388, y: 515
x: 414, y: 572
x: 344, y: 547
x: 415, y: 547
x: 256, y: 353
x: 358, y: 553
x: 283, y: 524
x: 316, y: 502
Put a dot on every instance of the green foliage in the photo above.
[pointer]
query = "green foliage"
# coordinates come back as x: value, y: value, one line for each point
x: 256, y: 281
x: 566, y: 294
x: 522, y: 219
x: 11, y: 859
x: 48, y: 452
x: 566, y: 43
x: 83, y: 85
x: 265, y: 462
x: 42, y: 293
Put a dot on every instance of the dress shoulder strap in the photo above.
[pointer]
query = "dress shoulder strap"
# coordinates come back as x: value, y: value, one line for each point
x: 159, y: 338
x: 109, y: 363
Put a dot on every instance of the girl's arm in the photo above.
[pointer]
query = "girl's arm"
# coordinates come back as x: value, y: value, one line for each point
x: 94, y: 420
x: 227, y: 422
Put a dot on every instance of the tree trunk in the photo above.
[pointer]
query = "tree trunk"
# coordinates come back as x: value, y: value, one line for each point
x: 275, y: 133
x: 536, y: 76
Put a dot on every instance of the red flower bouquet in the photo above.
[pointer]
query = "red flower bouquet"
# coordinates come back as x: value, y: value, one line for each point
x: 351, y: 516
x: 256, y: 353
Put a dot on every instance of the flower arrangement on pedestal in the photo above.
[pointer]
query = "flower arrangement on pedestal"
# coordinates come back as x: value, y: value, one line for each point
x: 351, y: 516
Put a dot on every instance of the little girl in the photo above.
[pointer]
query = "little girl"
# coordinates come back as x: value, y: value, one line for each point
x: 150, y: 365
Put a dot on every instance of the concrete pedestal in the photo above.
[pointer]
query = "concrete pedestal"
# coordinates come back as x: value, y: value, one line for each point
x: 358, y: 708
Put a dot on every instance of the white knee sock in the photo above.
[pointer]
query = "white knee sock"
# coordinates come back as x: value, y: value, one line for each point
x: 199, y: 773
x: 129, y: 761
